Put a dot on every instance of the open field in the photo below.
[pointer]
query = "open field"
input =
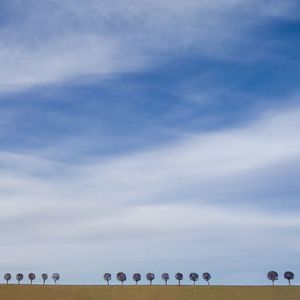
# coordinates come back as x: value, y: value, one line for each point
x: 80, y: 292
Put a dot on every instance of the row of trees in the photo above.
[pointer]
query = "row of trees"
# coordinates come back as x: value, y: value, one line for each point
x: 288, y: 275
x: 150, y: 277
x: 31, y: 277
x: 272, y: 275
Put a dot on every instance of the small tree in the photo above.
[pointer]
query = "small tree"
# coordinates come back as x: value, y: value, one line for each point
x: 31, y: 277
x: 272, y: 275
x: 289, y: 276
x: 194, y: 277
x: 7, y: 277
x: 19, y: 277
x: 55, y: 277
x: 107, y: 277
x: 121, y: 277
x: 179, y: 277
x: 165, y: 277
x: 44, y: 277
x: 136, y: 277
x: 150, y: 277
x: 206, y: 276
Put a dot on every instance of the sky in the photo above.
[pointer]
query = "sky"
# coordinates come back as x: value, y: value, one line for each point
x: 150, y: 136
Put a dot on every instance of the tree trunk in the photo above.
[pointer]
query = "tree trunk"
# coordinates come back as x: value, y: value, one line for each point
x: 178, y: 282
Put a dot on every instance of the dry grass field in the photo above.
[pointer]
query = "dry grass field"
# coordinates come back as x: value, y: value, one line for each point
x: 77, y: 292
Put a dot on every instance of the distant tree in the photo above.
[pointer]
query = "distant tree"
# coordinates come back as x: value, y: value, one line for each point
x: 44, y: 277
x: 107, y: 277
x: 31, y: 277
x: 206, y: 276
x: 165, y: 277
x: 179, y: 277
x: 194, y: 277
x: 19, y: 277
x: 121, y: 277
x: 7, y: 277
x: 150, y: 277
x: 289, y: 276
x: 136, y: 277
x: 272, y: 275
x: 55, y: 277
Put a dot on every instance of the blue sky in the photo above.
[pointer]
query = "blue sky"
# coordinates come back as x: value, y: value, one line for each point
x: 150, y: 136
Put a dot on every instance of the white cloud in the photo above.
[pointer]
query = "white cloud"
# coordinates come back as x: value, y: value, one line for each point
x: 62, y: 59
x: 136, y: 199
x: 56, y: 41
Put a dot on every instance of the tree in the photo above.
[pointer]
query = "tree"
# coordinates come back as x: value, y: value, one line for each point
x: 136, y: 277
x: 206, y: 276
x: 55, y: 277
x: 272, y: 275
x: 45, y: 277
x: 179, y: 277
x: 7, y: 277
x: 31, y: 277
x: 19, y: 277
x: 150, y: 277
x: 289, y: 276
x: 165, y: 277
x: 107, y: 277
x: 194, y: 277
x: 121, y: 277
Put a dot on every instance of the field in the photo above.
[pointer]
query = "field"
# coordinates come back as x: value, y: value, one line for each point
x: 77, y: 292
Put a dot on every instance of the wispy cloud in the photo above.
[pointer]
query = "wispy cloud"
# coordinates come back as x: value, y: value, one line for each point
x: 52, y: 41
x: 142, y: 197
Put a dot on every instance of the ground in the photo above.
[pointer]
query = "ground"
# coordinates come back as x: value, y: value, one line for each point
x: 77, y: 292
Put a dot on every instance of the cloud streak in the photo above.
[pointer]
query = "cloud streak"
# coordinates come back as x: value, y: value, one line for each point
x: 142, y: 197
x: 52, y: 42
